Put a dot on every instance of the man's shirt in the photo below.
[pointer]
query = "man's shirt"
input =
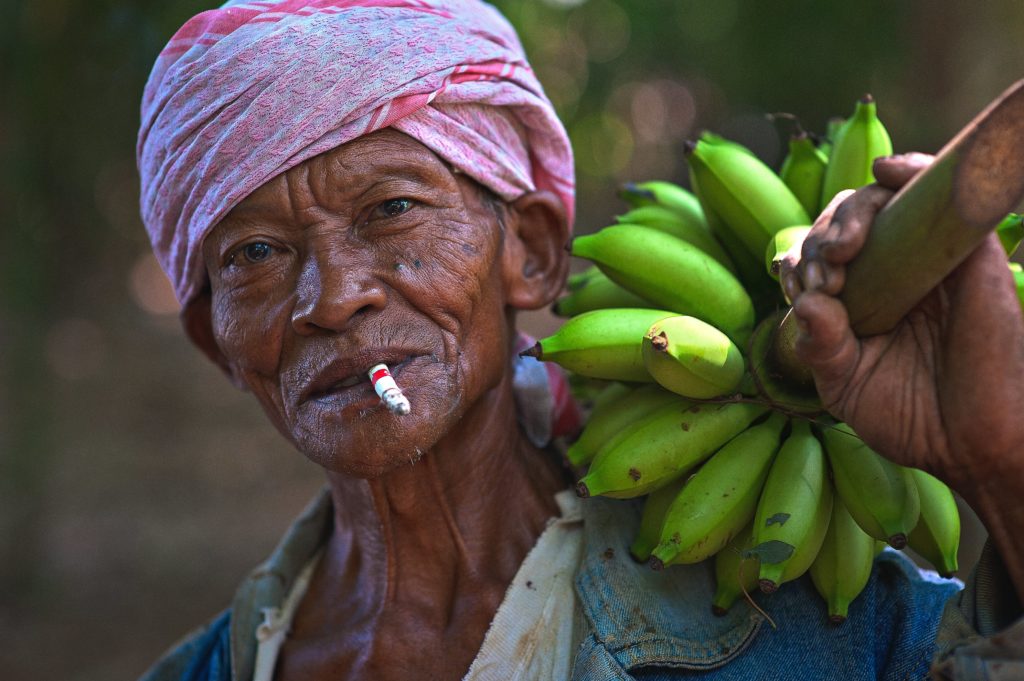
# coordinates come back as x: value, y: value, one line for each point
x: 630, y: 622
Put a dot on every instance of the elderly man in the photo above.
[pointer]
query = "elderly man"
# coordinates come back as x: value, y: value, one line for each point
x: 331, y: 185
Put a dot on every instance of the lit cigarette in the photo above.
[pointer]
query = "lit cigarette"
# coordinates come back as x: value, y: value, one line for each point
x: 388, y: 391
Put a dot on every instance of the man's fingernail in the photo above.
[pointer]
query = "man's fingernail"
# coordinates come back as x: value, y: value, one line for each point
x: 800, y: 324
x: 814, y: 278
x: 791, y: 287
x: 832, y: 233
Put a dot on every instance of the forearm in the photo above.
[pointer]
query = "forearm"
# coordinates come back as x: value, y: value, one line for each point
x: 998, y: 499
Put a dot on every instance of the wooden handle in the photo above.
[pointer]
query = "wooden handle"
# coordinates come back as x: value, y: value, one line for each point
x: 930, y: 226
x: 939, y: 217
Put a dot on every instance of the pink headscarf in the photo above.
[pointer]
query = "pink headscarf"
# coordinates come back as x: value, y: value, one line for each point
x: 242, y: 93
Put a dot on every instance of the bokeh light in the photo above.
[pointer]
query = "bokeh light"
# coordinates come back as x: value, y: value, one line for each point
x: 605, y: 28
x: 150, y: 288
x: 603, y: 144
x: 701, y: 22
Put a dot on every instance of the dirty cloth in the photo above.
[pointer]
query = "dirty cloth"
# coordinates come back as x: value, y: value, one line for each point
x: 634, y: 623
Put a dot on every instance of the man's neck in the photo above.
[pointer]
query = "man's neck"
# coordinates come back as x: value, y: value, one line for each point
x: 456, y: 523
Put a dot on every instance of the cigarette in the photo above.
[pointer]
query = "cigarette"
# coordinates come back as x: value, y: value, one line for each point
x: 388, y: 391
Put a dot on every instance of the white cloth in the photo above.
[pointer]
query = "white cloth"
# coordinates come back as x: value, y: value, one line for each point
x: 271, y: 634
x: 530, y: 637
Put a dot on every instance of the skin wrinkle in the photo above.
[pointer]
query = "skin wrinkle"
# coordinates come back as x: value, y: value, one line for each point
x: 420, y: 556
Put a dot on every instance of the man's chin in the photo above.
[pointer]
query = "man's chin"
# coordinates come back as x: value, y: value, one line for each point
x: 369, y: 468
x: 372, y: 447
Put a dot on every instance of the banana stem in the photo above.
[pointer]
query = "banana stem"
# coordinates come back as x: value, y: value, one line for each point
x: 933, y: 223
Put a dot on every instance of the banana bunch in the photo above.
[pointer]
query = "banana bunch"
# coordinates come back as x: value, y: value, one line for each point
x: 679, y: 311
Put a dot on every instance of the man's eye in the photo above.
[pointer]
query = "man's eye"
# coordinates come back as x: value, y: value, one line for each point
x: 394, y: 207
x: 255, y: 252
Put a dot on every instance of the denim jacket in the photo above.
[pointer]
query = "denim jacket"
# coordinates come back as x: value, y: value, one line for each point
x: 634, y: 623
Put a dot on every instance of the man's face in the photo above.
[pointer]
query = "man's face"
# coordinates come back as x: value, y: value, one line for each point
x: 373, y: 252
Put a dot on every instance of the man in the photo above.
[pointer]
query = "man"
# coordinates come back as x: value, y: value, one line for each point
x: 331, y: 185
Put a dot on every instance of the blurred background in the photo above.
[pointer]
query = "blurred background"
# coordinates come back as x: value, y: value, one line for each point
x: 137, y: 488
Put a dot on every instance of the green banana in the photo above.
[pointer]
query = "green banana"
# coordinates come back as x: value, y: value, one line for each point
x: 610, y: 392
x: 803, y: 171
x: 666, y: 195
x: 795, y: 506
x: 834, y: 125
x: 860, y: 140
x: 1010, y: 232
x: 655, y: 507
x: 788, y: 388
x: 663, y: 446
x: 711, y: 138
x: 585, y: 390
x: 610, y: 419
x: 735, y: 573
x: 745, y: 193
x: 597, y: 292
x: 880, y: 495
x: 843, y: 565
x: 1018, y: 281
x: 936, y: 537
x: 670, y: 222
x: 692, y: 358
x: 721, y: 497
x: 748, y: 268
x: 601, y: 344
x: 576, y: 281
x: 671, y: 273
x: 784, y: 241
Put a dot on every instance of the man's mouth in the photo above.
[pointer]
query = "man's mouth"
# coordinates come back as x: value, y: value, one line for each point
x: 347, y: 379
x: 347, y: 383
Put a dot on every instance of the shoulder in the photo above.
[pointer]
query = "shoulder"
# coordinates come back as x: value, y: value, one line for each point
x: 660, y: 626
x: 203, y: 655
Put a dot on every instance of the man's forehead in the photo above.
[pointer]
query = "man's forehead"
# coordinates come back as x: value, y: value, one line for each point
x: 349, y: 170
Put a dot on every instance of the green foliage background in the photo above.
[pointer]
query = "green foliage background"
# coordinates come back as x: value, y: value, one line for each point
x: 136, y: 487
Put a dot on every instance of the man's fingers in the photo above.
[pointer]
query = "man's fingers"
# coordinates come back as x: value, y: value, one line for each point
x: 823, y: 231
x: 826, y: 342
x: 851, y: 223
x: 837, y: 236
x: 791, y: 273
x: 893, y: 172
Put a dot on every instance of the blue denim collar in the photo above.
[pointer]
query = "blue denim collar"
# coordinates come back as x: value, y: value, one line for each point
x: 648, y: 618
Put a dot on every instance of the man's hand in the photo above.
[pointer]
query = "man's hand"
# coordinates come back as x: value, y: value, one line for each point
x: 943, y: 391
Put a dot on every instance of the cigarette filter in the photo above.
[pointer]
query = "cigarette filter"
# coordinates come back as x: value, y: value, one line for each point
x: 388, y: 391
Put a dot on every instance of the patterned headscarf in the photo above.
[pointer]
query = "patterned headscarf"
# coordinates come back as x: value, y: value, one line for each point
x: 245, y: 92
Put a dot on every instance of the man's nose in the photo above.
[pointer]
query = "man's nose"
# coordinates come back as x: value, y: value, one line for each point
x: 331, y: 295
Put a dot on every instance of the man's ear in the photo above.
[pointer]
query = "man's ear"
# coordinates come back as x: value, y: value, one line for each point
x: 536, y: 260
x: 198, y: 324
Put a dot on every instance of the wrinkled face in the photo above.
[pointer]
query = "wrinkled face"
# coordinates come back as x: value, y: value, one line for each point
x: 373, y: 252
